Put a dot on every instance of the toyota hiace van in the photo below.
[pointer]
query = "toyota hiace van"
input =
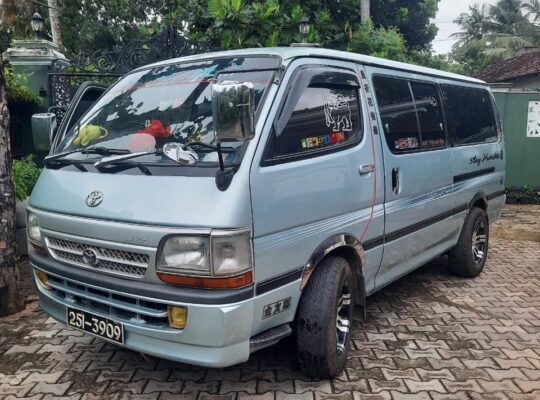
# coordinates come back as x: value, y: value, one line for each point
x: 206, y: 207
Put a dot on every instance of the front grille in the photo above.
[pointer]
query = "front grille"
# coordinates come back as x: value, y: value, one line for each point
x: 104, y: 259
x: 119, y: 307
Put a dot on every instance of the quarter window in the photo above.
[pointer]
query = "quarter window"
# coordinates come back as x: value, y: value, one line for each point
x: 324, y: 116
x: 469, y: 115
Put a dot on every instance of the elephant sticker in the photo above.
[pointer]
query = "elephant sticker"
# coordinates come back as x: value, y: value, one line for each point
x: 337, y: 113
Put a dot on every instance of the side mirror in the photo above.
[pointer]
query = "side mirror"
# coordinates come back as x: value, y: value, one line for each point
x: 43, y: 128
x: 233, y: 108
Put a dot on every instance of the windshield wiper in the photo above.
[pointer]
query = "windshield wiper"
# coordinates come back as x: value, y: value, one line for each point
x: 128, y: 156
x: 104, y: 151
x: 124, y: 156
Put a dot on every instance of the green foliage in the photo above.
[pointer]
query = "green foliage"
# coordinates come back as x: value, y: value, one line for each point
x: 493, y: 33
x: 16, y: 92
x: 412, y: 18
x: 25, y: 176
x: 378, y: 42
x: 398, y: 26
x: 471, y: 56
x: 390, y: 44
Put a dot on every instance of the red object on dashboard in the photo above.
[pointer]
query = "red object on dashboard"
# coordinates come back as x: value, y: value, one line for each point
x: 157, y: 129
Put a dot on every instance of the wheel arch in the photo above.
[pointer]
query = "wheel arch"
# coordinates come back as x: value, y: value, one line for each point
x: 479, y: 200
x: 341, y: 245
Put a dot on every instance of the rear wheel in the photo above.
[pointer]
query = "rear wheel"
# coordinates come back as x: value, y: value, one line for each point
x: 468, y: 258
x: 324, y: 319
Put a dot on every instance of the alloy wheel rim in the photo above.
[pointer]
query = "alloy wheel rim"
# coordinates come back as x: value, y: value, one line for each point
x: 343, y: 318
x: 479, y: 242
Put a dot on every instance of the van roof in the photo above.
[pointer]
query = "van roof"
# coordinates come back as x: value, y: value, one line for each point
x: 287, y: 53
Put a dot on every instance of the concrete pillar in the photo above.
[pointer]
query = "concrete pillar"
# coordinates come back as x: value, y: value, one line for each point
x: 32, y: 60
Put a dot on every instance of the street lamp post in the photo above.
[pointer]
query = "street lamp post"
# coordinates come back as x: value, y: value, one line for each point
x: 303, y: 27
x: 37, y: 24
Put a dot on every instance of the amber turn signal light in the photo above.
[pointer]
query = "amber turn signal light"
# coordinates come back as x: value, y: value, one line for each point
x: 42, y: 278
x: 234, y: 282
x: 177, y: 317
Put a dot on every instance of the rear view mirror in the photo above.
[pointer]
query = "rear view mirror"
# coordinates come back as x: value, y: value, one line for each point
x: 233, y: 107
x: 43, y: 128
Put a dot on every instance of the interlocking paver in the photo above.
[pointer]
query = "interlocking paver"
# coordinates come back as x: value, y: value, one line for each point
x: 427, y: 336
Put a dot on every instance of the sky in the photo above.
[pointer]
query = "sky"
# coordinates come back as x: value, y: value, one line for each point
x: 449, y: 10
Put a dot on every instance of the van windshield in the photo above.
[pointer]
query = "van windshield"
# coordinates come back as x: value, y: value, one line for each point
x: 171, y: 103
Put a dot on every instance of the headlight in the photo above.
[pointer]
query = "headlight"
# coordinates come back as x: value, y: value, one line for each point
x: 187, y: 255
x: 32, y: 228
x: 221, y: 260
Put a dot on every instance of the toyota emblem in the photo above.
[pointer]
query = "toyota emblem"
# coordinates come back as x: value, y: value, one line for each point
x: 90, y: 256
x: 94, y: 199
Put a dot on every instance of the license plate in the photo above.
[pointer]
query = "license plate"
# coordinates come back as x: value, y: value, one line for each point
x: 103, y: 327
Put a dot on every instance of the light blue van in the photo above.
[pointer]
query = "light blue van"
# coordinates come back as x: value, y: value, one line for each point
x: 205, y: 207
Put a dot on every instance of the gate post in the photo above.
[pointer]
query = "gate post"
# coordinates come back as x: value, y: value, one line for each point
x: 33, y: 59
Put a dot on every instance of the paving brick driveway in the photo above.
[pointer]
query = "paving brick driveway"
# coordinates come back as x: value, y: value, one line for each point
x: 428, y: 336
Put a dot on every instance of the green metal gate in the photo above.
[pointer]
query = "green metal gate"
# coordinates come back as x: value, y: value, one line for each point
x: 520, y: 114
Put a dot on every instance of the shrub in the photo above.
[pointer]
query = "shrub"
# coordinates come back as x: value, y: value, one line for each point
x: 25, y: 174
x: 15, y: 91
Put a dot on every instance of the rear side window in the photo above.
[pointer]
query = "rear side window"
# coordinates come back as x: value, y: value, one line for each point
x: 320, y: 114
x: 469, y: 115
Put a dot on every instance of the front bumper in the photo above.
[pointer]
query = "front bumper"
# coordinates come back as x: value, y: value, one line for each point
x: 220, y: 324
x: 216, y: 335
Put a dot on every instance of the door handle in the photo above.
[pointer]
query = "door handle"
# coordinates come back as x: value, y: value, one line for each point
x: 395, y: 181
x: 366, y: 169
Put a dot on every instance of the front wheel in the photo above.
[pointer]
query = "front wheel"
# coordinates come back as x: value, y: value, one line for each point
x: 468, y: 258
x: 324, y: 319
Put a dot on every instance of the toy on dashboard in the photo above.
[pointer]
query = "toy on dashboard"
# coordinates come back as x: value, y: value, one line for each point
x: 89, y: 133
x: 156, y: 129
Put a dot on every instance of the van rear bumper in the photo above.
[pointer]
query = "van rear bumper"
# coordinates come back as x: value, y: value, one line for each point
x: 216, y: 335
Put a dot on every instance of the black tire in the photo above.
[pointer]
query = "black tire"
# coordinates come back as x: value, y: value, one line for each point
x: 317, y: 335
x: 466, y: 261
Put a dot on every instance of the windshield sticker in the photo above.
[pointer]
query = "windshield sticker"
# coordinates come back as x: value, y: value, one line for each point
x: 432, y: 143
x: 317, y: 141
x: 406, y: 143
x: 337, y: 113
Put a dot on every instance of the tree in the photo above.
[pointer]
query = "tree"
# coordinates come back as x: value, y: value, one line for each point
x: 532, y: 8
x: 378, y: 42
x: 55, y: 23
x: 11, y: 300
x: 507, y: 17
x: 470, y: 57
x: 497, y: 34
x: 474, y: 24
x: 413, y: 19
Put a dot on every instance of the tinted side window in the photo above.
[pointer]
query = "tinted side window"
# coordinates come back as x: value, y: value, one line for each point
x: 469, y: 115
x: 427, y: 103
x: 398, y: 115
x: 323, y: 117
